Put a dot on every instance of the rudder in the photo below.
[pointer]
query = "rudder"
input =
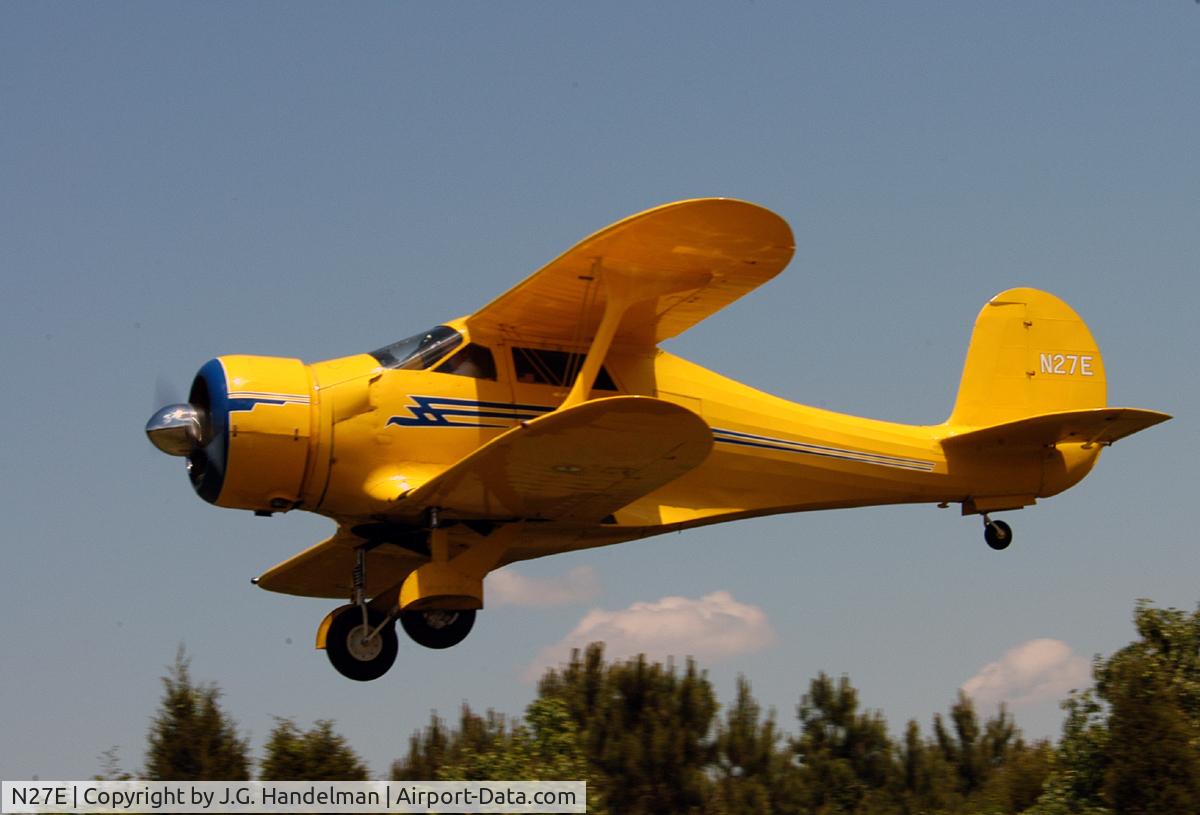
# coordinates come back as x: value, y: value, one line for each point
x: 1030, y: 354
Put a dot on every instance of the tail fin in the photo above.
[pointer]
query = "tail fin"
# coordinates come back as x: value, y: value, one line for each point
x: 1030, y: 354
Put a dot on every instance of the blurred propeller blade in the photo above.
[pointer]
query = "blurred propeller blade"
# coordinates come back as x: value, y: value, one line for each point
x: 167, y: 391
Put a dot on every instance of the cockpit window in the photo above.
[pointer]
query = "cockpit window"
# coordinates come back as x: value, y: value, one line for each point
x: 471, y: 360
x: 542, y: 367
x: 420, y: 350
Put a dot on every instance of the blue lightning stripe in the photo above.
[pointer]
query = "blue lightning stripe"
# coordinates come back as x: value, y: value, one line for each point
x: 240, y: 401
x: 434, y: 411
x: 787, y: 446
x: 286, y: 397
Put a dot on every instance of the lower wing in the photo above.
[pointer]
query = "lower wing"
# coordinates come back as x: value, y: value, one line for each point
x: 576, y: 466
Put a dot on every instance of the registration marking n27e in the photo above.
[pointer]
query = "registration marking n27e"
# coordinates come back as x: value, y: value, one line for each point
x: 1068, y: 364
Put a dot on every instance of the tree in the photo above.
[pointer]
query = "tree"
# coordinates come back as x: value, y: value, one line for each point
x: 1016, y: 784
x: 645, y: 729
x: 316, y: 755
x: 927, y: 781
x: 1131, y: 744
x: 1152, y: 687
x: 975, y: 752
x: 436, y: 746
x: 191, y: 738
x: 545, y: 746
x: 110, y: 767
x: 753, y: 775
x: 846, y: 757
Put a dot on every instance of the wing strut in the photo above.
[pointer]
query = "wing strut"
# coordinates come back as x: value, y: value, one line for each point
x: 623, y: 289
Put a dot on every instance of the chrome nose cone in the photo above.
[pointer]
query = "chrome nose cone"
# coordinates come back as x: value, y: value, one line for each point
x: 175, y: 429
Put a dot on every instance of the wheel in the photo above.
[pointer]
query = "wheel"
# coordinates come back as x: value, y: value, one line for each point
x: 998, y: 535
x: 353, y: 657
x: 437, y: 628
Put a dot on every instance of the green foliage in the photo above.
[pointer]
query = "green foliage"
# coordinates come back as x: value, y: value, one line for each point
x: 545, y: 746
x: 846, y: 757
x: 1016, y: 783
x: 110, y: 767
x: 1132, y: 743
x: 1152, y: 687
x: 646, y: 729
x: 753, y: 774
x: 191, y: 738
x: 436, y: 746
x: 976, y: 752
x: 647, y: 738
x: 427, y: 752
x: 928, y: 783
x: 316, y: 755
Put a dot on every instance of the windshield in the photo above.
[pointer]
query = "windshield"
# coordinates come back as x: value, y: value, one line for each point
x: 420, y: 350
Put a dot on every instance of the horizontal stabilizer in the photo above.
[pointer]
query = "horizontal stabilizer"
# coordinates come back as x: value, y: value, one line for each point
x: 1093, y: 426
x: 575, y: 464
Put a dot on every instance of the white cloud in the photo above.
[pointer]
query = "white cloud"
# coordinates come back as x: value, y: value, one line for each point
x: 510, y: 588
x: 1035, y: 671
x: 712, y: 628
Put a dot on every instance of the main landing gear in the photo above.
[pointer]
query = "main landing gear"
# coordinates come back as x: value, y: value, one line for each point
x: 437, y: 628
x: 361, y: 641
x: 998, y: 534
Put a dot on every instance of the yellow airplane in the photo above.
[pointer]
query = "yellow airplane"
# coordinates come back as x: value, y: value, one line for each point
x: 550, y: 420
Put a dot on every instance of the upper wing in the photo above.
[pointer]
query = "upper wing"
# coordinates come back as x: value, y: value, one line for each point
x: 1091, y: 426
x: 576, y: 464
x: 714, y: 249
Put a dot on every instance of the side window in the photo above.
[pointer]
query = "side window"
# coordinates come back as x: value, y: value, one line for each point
x: 474, y: 361
x: 542, y: 367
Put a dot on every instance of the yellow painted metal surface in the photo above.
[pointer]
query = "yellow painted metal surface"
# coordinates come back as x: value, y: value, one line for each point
x: 1030, y: 353
x: 707, y: 252
x: 577, y: 464
x: 325, y: 569
x: 323, y: 627
x: 440, y: 585
x: 1085, y: 427
x: 271, y: 407
x: 522, y: 469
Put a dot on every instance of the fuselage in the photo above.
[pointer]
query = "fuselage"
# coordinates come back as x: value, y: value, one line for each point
x: 550, y: 420
x: 355, y: 435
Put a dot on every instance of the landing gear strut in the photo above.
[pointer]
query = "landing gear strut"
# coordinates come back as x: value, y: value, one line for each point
x: 438, y: 627
x: 998, y: 534
x: 361, y: 642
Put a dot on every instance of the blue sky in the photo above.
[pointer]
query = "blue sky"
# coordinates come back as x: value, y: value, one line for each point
x: 181, y: 181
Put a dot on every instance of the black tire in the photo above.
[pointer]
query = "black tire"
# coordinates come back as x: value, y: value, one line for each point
x: 998, y: 535
x: 437, y: 628
x: 353, y: 659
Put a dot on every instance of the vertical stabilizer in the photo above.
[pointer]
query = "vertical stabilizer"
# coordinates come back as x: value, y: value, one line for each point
x: 1030, y: 354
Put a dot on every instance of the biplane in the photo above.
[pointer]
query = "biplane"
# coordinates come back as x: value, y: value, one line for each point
x: 551, y: 420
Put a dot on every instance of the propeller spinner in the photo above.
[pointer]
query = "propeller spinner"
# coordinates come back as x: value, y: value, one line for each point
x: 176, y: 429
x: 254, y: 411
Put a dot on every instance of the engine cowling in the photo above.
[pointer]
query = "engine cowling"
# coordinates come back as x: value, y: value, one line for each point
x: 256, y: 432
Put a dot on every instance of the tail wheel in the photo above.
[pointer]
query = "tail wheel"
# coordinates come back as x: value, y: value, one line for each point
x: 998, y: 534
x: 438, y: 628
x: 352, y: 650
